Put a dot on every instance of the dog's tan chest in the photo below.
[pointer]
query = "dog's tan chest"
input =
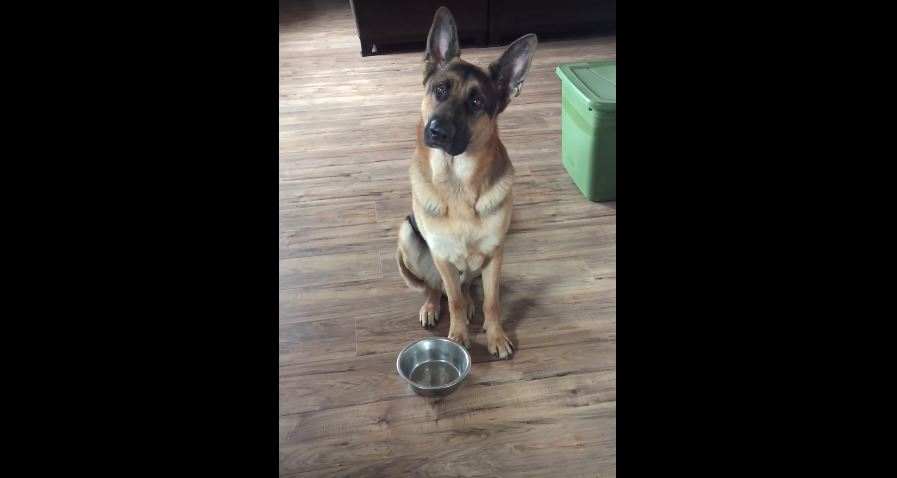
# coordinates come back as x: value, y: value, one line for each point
x: 465, y: 243
x: 462, y: 235
x: 461, y: 222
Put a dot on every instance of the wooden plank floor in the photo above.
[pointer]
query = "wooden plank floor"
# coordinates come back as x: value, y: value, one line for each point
x: 347, y: 128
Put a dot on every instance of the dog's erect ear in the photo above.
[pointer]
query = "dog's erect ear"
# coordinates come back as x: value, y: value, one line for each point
x: 442, y: 43
x: 510, y: 70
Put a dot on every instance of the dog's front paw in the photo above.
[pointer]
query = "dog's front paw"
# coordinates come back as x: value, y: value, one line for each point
x: 429, y: 315
x: 498, y: 343
x: 459, y: 334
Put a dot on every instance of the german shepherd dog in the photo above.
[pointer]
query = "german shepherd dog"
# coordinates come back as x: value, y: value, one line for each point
x: 461, y: 180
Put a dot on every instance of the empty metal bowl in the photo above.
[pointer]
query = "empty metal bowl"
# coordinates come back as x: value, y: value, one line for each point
x: 434, y: 366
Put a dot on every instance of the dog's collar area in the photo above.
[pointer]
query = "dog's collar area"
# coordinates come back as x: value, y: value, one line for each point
x: 414, y: 228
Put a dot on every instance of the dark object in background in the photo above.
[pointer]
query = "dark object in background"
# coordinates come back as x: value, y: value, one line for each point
x: 402, y: 25
x: 509, y: 19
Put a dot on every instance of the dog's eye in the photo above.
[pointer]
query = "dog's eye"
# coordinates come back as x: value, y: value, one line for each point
x: 477, y: 102
x: 440, y: 91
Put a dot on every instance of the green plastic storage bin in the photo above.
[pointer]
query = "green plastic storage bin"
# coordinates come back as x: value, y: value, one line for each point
x: 589, y: 127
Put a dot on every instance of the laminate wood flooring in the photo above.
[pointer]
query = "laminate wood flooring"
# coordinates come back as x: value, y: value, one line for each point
x: 347, y: 128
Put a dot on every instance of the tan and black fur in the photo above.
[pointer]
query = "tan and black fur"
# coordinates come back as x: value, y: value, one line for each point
x: 461, y: 182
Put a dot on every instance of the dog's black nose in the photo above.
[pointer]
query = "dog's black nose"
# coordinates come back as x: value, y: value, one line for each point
x: 440, y: 131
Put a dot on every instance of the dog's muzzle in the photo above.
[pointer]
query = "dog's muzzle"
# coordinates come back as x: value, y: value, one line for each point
x: 442, y: 134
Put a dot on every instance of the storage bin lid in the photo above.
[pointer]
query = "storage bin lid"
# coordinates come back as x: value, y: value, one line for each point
x: 595, y: 81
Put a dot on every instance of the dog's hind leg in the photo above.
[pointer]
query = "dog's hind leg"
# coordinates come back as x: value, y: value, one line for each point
x: 417, y: 269
x: 429, y: 312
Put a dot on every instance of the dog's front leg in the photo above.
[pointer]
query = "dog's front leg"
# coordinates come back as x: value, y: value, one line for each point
x: 496, y: 341
x: 451, y: 280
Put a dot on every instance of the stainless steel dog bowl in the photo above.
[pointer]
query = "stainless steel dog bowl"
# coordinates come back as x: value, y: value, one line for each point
x: 434, y: 366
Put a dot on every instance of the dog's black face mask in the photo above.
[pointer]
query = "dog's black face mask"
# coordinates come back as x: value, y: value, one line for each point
x: 446, y: 130
x: 462, y: 101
